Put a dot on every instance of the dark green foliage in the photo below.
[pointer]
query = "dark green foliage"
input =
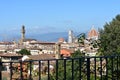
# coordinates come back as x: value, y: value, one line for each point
x: 81, y: 38
x: 110, y: 45
x: 24, y: 52
x: 113, y: 67
x: 77, y: 54
x: 73, y: 67
x: 95, y: 43
x: 110, y: 37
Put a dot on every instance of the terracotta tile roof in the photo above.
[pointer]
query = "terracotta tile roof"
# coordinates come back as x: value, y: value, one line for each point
x: 29, y: 40
x: 42, y: 56
x: 44, y: 43
x: 66, y: 52
x: 9, y: 55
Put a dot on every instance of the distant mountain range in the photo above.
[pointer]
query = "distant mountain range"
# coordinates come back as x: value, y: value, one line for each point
x: 48, y: 37
x: 53, y: 37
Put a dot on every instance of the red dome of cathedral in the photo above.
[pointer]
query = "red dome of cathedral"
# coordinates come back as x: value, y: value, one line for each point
x: 61, y: 40
x: 92, y: 33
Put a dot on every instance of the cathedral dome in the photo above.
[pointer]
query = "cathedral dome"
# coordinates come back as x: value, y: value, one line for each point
x: 92, y: 34
x: 61, y: 40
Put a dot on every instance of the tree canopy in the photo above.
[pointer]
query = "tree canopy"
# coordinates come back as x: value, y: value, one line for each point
x: 24, y: 52
x: 110, y: 37
x: 81, y: 38
x: 69, y: 63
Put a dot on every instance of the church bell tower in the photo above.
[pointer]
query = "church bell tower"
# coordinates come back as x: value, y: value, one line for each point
x: 23, y: 33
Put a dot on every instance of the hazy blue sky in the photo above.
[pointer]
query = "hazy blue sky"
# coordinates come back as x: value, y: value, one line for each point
x: 43, y: 16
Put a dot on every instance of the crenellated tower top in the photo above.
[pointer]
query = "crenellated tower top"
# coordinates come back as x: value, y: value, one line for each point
x: 23, y: 33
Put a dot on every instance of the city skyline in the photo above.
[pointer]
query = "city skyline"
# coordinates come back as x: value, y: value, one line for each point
x: 40, y: 17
